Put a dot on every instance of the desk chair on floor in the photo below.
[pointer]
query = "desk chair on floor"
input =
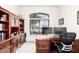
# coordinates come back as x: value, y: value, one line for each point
x: 67, y: 40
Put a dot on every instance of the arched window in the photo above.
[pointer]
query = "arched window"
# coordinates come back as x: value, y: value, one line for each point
x: 37, y: 21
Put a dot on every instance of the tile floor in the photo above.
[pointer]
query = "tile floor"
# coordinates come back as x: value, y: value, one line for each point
x: 28, y: 47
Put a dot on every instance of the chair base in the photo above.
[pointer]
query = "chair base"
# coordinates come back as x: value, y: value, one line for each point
x: 66, y: 52
x: 59, y: 49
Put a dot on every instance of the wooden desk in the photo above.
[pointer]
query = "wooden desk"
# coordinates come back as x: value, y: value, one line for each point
x: 43, y: 45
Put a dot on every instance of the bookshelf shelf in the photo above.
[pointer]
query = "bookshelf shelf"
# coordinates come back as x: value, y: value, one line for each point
x: 4, y: 22
x: 4, y: 30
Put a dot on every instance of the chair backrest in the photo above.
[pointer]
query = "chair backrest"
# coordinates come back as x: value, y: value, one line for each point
x: 67, y: 38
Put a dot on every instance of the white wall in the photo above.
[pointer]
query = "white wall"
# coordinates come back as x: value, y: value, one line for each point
x: 51, y: 10
x: 12, y: 8
x: 69, y: 13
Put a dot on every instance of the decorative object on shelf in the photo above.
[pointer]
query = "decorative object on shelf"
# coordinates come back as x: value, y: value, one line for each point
x: 14, y: 22
x: 77, y: 17
x: 17, y: 23
x: 61, y: 21
x: 3, y: 17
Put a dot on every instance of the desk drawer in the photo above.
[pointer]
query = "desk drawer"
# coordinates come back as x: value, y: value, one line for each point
x: 43, y: 46
x: 43, y: 43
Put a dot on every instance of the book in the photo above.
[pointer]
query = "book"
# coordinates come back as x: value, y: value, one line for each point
x: 2, y: 36
x: 2, y: 27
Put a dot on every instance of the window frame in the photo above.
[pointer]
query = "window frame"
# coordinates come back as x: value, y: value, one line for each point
x: 31, y: 19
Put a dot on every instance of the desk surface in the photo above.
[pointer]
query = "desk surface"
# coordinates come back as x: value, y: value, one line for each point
x: 46, y: 36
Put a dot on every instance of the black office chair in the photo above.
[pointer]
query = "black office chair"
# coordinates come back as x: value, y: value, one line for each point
x: 66, y: 42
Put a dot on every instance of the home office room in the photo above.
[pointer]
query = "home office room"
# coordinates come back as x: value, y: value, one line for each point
x: 39, y: 29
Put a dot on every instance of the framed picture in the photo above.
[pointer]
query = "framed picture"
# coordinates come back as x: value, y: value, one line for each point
x: 61, y: 21
x: 77, y: 17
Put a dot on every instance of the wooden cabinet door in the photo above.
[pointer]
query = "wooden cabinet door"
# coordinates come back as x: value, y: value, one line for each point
x: 43, y: 46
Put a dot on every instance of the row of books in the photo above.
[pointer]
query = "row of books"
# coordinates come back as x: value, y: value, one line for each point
x: 2, y: 27
x: 2, y: 36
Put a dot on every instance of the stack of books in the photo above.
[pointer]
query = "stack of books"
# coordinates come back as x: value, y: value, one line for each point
x: 2, y: 36
x: 2, y: 27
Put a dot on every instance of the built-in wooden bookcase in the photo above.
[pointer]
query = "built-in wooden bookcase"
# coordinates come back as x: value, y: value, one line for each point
x: 10, y: 24
x: 4, y: 25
